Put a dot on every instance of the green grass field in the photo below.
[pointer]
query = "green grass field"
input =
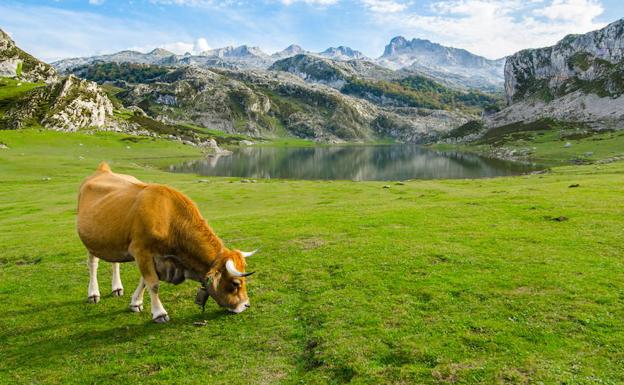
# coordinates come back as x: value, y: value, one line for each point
x: 433, y: 282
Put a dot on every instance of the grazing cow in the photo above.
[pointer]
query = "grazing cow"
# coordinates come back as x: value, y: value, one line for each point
x: 121, y: 219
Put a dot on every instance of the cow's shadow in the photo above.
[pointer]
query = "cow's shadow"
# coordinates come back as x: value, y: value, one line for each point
x: 34, y: 352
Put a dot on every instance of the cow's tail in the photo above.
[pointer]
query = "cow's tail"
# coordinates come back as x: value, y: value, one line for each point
x: 104, y: 167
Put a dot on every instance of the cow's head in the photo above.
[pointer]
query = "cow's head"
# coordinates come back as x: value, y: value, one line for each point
x: 228, y: 285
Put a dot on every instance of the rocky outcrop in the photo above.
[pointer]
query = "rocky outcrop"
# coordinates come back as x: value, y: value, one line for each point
x: 581, y: 78
x: 67, y: 105
x: 15, y: 63
x: 78, y: 104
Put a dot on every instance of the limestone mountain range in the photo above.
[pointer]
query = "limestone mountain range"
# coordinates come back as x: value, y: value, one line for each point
x: 416, y: 91
x: 451, y: 66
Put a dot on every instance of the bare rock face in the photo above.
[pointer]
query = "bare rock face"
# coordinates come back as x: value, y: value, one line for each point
x: 64, y: 104
x: 16, y: 63
x: 581, y: 78
x: 67, y: 105
x: 79, y: 104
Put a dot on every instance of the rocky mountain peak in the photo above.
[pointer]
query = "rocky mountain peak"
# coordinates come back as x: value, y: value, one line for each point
x: 342, y: 53
x: 160, y: 52
x: 236, y: 52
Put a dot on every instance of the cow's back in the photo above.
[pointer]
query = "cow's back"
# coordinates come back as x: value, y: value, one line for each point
x: 106, y: 205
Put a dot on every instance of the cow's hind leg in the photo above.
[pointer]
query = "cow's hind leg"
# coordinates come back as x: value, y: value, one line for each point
x: 118, y: 290
x: 145, y: 261
x: 136, y: 303
x: 94, y: 290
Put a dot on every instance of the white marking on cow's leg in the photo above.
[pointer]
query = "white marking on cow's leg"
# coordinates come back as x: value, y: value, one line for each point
x: 94, y: 290
x: 136, y: 303
x: 145, y: 261
x: 159, y: 314
x: 117, y: 286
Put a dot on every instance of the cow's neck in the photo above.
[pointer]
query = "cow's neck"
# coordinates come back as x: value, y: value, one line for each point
x: 199, y: 248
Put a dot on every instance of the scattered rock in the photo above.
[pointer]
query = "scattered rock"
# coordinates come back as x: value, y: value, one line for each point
x: 560, y: 219
x: 200, y: 323
x: 386, y: 186
x: 3, y: 146
x: 246, y: 143
x: 567, y: 145
x: 400, y: 184
x: 589, y: 153
x: 46, y: 178
x: 203, y: 181
x: 254, y: 181
x: 245, y: 181
x: 574, y: 185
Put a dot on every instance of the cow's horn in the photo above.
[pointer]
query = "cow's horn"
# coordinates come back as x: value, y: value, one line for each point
x: 229, y: 266
x: 248, y: 253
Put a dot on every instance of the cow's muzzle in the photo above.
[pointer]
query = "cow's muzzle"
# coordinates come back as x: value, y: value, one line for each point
x: 241, y: 307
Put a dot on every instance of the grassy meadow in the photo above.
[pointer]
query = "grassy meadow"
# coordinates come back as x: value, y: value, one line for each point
x: 515, y: 280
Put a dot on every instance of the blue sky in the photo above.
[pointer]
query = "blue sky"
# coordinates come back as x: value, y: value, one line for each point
x: 493, y: 28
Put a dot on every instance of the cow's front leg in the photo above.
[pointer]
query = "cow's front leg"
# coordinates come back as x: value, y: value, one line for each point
x: 94, y: 290
x: 118, y: 290
x: 145, y: 261
x: 136, y: 303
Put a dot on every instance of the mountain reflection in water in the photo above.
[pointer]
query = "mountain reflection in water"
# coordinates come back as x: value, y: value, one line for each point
x: 391, y: 162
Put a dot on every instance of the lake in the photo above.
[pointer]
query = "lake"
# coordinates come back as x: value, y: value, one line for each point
x: 353, y: 162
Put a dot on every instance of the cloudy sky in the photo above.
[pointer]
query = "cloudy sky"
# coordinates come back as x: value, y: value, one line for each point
x: 493, y: 28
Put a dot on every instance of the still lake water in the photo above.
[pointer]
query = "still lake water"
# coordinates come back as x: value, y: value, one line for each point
x: 391, y: 162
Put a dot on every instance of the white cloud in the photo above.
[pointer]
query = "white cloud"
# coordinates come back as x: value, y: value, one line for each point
x: 574, y: 10
x: 495, y: 28
x: 201, y: 45
x: 178, y: 47
x: 384, y: 6
x: 96, y: 2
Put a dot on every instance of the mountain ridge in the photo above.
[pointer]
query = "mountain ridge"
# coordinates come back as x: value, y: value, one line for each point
x: 454, y: 67
x: 580, y: 78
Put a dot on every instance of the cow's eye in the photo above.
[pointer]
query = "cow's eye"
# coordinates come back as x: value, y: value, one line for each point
x: 236, y: 283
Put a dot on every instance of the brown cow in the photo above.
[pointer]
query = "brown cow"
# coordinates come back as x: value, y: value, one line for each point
x: 121, y: 219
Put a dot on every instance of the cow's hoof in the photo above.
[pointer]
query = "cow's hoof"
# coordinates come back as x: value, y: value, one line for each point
x: 93, y: 299
x: 118, y: 292
x: 136, y: 308
x: 161, y: 319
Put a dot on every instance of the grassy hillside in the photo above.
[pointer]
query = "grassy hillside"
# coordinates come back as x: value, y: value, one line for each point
x: 434, y: 282
x: 419, y: 91
x: 545, y: 141
x: 12, y: 90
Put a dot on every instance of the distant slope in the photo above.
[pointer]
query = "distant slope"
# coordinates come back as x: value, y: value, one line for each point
x: 262, y: 103
x: 383, y: 86
x: 343, y: 53
x: 241, y: 57
x: 439, y: 62
x: 580, y: 79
